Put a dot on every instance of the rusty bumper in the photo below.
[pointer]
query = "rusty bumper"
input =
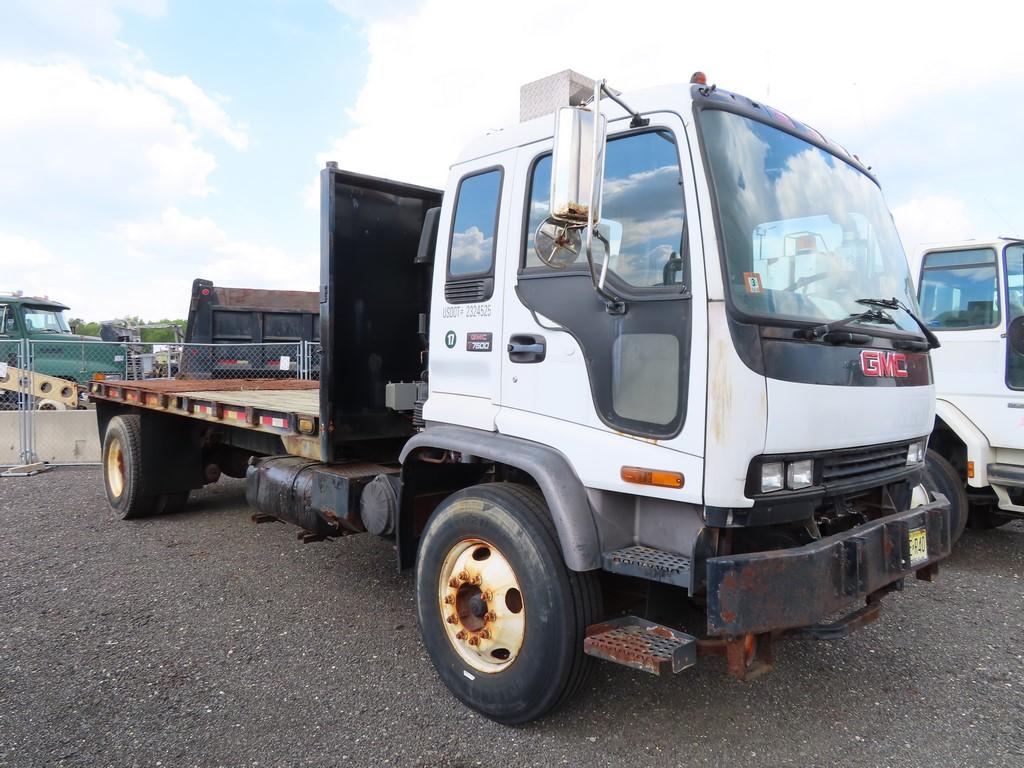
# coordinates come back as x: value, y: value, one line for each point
x: 802, y: 586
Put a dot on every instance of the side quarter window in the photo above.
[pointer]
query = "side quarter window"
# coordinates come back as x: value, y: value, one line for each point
x: 473, y: 242
x: 7, y: 322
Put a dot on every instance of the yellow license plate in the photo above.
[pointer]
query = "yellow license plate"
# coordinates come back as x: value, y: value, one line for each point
x: 918, y: 546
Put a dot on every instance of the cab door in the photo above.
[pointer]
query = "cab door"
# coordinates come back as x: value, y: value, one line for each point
x: 960, y: 300
x: 581, y: 375
x: 469, y: 280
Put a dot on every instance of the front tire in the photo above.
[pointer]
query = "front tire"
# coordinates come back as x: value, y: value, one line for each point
x: 501, y: 615
x: 941, y: 476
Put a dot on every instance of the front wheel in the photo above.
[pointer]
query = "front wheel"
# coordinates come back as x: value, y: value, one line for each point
x: 501, y: 615
x: 941, y: 476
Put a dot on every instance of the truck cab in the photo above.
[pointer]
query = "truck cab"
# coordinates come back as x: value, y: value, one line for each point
x: 971, y: 295
x: 54, y: 349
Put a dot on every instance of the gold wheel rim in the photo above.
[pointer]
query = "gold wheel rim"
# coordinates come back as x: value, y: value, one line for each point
x: 115, y: 467
x: 481, y: 606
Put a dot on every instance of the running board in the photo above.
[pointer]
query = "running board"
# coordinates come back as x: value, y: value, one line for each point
x: 649, y: 563
x: 641, y: 644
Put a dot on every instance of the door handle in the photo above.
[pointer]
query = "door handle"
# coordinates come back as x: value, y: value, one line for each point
x: 526, y: 348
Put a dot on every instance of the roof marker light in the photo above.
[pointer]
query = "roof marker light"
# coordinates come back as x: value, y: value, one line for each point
x: 699, y: 78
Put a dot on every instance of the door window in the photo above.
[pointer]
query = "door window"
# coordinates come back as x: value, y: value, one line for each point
x: 1014, y: 309
x: 959, y: 290
x: 643, y: 192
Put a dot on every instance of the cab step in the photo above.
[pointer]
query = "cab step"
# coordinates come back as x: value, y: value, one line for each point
x: 641, y: 644
x: 649, y: 563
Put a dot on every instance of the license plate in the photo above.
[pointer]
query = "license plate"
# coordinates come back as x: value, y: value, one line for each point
x: 918, y: 546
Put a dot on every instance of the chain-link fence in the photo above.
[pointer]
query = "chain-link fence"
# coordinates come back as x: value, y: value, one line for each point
x: 45, y: 414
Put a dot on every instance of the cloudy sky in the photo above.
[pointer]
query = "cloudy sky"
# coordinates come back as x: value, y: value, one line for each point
x: 147, y: 142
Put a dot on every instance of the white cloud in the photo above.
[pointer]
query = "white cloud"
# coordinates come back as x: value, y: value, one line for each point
x: 410, y: 120
x: 932, y: 219
x: 67, y: 134
x: 16, y: 250
x: 204, y: 111
x: 471, y: 250
x: 37, y: 28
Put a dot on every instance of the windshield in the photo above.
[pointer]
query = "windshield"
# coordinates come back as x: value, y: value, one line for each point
x: 39, y: 320
x: 805, y: 234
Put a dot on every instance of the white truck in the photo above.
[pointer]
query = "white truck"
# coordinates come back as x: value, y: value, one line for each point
x: 971, y: 295
x: 633, y: 386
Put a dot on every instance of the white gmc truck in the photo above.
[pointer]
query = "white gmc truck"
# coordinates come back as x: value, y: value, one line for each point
x: 971, y: 295
x: 644, y: 382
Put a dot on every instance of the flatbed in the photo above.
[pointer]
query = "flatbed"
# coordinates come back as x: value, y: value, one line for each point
x: 288, y: 409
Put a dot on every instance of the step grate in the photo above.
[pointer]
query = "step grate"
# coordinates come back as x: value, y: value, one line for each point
x: 641, y: 644
x: 649, y: 563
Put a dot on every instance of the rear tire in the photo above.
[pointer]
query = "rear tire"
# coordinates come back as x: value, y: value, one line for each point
x: 122, y: 469
x: 942, y: 477
x: 490, y: 566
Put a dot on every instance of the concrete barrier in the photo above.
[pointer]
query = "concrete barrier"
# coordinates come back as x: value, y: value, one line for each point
x: 62, y: 437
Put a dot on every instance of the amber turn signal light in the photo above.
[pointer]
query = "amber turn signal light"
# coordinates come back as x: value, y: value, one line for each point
x: 970, y: 469
x: 658, y: 477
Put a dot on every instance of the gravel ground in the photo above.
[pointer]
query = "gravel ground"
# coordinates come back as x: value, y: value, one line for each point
x: 202, y: 639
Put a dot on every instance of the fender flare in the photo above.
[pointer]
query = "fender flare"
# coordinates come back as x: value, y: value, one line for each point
x: 978, y: 449
x: 563, y: 490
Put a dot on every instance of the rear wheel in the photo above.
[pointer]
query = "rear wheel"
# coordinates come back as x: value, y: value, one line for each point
x: 941, y: 476
x: 501, y: 615
x: 123, y: 477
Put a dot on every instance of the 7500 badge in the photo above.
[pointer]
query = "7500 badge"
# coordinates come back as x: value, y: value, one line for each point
x: 478, y: 342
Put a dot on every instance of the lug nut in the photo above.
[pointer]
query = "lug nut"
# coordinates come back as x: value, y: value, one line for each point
x: 449, y: 599
x: 453, y: 619
x: 474, y: 640
x: 485, y: 634
x: 453, y: 583
x: 491, y: 616
x: 463, y: 576
x: 487, y: 596
x: 478, y: 579
x: 460, y: 635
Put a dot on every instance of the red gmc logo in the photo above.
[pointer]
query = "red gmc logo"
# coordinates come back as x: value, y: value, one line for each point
x: 890, y: 364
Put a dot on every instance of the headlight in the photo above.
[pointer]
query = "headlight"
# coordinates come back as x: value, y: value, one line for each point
x: 915, y: 453
x: 800, y: 474
x: 772, y: 476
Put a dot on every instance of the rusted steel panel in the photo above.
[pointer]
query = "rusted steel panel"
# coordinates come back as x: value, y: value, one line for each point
x: 267, y: 301
x: 801, y: 586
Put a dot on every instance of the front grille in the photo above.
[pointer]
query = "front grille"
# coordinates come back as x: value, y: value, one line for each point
x: 862, y: 464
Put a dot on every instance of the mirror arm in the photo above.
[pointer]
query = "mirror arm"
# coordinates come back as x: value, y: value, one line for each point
x: 637, y: 121
x: 614, y: 304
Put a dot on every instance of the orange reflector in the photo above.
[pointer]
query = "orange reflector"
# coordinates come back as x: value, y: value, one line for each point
x: 98, y: 376
x: 658, y: 477
x: 970, y: 469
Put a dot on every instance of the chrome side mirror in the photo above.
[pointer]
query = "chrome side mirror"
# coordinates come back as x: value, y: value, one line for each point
x: 557, y: 244
x: 577, y: 165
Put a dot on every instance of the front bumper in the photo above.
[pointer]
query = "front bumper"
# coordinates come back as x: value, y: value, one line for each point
x: 802, y: 586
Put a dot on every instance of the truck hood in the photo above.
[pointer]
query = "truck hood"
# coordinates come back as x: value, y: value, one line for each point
x: 808, y: 417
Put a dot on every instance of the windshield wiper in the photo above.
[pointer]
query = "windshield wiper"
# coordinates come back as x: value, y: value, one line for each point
x: 823, y: 331
x: 894, y: 303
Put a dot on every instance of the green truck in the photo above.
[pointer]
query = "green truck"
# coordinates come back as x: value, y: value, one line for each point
x: 54, y: 350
